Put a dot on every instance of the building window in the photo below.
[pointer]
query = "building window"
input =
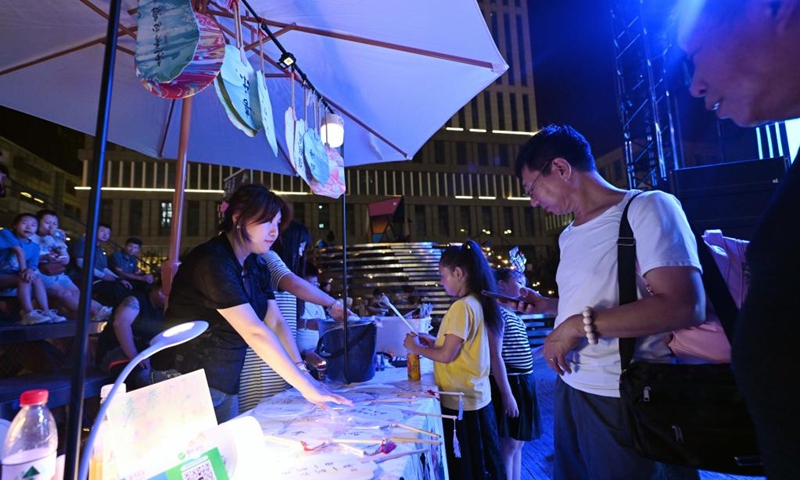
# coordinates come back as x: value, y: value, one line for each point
x: 487, y: 109
x: 483, y: 154
x: 420, y: 224
x: 438, y: 152
x: 444, y: 220
x: 106, y: 211
x: 505, y: 155
x: 523, y: 73
x: 135, y: 217
x: 514, y: 118
x: 350, y: 213
x: 501, y: 112
x: 508, y: 220
x: 461, y: 153
x: 164, y: 218
x: 464, y: 222
x: 526, y: 113
x: 509, y: 53
x: 299, y: 213
x: 193, y: 218
x: 530, y: 227
x: 324, y: 216
x: 486, y: 217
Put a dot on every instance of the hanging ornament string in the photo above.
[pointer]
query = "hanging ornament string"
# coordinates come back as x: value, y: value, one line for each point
x: 261, y: 51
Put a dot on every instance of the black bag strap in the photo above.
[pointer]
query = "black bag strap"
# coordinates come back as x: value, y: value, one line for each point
x: 352, y: 343
x: 713, y: 283
x: 626, y: 273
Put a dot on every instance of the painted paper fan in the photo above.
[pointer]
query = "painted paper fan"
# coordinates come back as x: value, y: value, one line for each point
x: 197, y: 34
x: 236, y: 89
x: 265, y: 110
x: 316, y: 157
x: 294, y: 143
x: 334, y: 187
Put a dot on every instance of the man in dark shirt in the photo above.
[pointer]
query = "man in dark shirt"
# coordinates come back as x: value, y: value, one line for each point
x: 746, y: 55
x: 125, y: 264
x: 134, y: 323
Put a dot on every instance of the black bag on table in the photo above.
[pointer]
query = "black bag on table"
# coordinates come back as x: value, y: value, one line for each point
x: 690, y: 415
x: 360, y: 365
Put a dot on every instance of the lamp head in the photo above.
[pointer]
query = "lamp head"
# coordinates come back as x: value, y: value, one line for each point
x: 286, y: 60
x: 332, y: 131
x: 177, y: 335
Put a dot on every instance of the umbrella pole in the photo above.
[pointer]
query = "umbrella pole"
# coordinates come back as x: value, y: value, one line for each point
x: 344, y: 276
x: 75, y: 415
x: 170, y: 267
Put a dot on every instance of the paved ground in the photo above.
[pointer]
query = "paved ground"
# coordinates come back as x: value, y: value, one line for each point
x: 537, y: 457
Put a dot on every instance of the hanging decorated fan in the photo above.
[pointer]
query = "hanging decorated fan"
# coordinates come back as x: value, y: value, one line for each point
x: 316, y: 156
x: 178, y: 52
x: 265, y: 105
x: 334, y: 187
x: 294, y: 144
x: 236, y: 86
x: 314, y: 150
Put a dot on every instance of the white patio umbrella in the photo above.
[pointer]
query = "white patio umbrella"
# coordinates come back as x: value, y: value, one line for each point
x: 395, y: 70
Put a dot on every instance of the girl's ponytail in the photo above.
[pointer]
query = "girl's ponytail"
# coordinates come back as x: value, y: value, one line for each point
x: 471, y: 259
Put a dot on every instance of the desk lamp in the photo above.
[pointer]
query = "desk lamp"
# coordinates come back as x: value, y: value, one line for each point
x: 168, y: 338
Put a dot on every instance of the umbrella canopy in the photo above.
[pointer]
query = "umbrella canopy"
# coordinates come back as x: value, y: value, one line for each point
x: 395, y: 70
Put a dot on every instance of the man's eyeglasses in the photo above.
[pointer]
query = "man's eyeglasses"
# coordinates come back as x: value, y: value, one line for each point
x: 530, y: 189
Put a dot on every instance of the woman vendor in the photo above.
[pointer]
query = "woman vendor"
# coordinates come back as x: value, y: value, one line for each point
x: 223, y: 283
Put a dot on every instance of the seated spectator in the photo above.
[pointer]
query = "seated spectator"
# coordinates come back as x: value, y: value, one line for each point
x: 108, y: 287
x: 135, y: 322
x: 379, y: 304
x: 19, y: 257
x: 125, y: 264
x: 53, y: 261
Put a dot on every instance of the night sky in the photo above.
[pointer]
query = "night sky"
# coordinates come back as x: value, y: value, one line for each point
x: 573, y: 68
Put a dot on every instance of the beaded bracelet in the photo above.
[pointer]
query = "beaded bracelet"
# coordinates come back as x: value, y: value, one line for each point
x: 588, y: 325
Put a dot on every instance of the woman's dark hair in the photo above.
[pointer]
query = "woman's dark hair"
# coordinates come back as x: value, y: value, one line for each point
x: 551, y: 142
x: 252, y: 203
x: 470, y: 258
x: 288, y: 245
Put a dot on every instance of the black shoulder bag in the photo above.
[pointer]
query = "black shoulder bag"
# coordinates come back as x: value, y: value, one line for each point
x: 691, y: 415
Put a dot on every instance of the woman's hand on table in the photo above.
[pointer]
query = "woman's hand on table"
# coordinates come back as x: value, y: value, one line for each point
x: 320, y: 395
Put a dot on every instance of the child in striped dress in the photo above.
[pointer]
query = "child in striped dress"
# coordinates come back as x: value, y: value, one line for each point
x: 515, y: 427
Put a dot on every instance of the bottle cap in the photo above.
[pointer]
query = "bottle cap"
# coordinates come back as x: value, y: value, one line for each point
x: 33, y: 397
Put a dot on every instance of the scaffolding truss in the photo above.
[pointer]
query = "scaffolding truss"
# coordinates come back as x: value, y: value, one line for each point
x: 646, y: 109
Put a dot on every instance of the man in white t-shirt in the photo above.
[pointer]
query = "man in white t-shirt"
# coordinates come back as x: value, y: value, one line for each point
x: 558, y: 173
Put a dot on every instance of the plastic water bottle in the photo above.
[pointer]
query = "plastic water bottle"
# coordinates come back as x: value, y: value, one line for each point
x: 30, y: 446
x: 103, y: 461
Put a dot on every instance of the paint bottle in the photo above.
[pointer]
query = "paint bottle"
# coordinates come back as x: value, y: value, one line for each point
x: 413, y: 367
